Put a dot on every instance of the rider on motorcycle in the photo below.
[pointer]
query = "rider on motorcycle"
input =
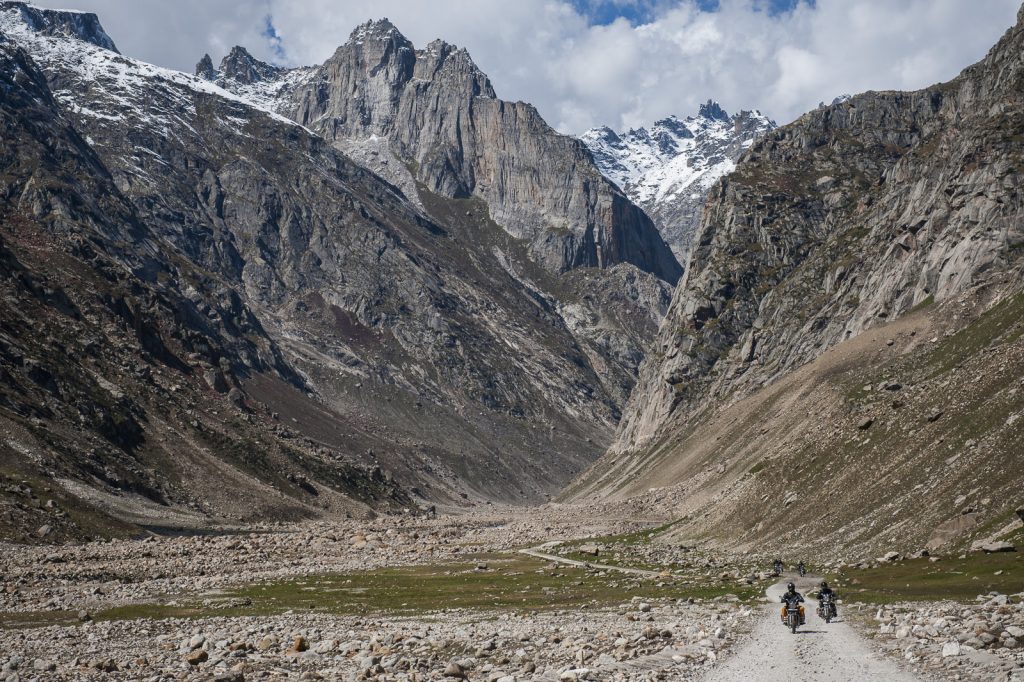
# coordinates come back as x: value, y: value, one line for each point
x: 826, y: 591
x: 777, y: 566
x: 792, y: 599
x: 801, y: 568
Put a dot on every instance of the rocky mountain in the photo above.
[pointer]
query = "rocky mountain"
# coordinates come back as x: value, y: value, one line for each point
x: 669, y: 169
x: 849, y: 328
x: 212, y: 312
x: 446, y: 126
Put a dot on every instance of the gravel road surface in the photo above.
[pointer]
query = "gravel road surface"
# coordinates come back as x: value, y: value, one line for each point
x: 831, y: 652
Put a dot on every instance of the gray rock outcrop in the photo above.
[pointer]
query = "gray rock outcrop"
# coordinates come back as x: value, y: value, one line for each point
x: 444, y: 121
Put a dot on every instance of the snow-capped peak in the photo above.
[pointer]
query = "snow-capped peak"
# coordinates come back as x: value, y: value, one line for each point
x: 376, y: 29
x: 712, y: 110
x: 119, y: 87
x: 669, y: 167
x: 837, y: 100
x: 57, y: 22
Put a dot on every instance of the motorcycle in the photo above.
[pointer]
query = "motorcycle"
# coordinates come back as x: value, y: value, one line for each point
x: 802, y: 569
x: 827, y: 608
x: 792, y: 617
x: 777, y: 568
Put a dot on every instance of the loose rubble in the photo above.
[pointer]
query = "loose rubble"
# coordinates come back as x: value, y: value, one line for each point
x: 635, y: 639
x: 980, y: 641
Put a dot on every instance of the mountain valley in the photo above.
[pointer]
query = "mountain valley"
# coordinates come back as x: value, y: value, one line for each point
x: 356, y: 370
x: 417, y: 341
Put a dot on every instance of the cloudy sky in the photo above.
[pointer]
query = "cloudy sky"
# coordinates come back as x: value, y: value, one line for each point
x: 617, y: 62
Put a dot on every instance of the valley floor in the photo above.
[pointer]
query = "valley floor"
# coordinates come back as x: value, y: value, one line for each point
x: 556, y: 593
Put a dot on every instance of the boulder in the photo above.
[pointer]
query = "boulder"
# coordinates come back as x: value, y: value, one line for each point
x: 998, y: 546
x: 196, y: 657
x: 215, y: 380
x: 951, y: 649
x: 237, y: 397
x: 454, y: 670
x: 231, y: 676
x: 952, y: 529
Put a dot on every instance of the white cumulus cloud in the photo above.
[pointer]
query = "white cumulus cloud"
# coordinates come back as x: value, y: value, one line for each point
x: 580, y: 75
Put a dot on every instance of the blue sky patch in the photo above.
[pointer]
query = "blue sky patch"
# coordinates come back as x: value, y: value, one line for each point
x: 636, y: 12
x: 273, y: 38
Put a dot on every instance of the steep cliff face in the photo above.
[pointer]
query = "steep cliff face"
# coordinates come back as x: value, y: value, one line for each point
x: 443, y: 120
x: 66, y: 23
x: 121, y: 362
x: 669, y: 169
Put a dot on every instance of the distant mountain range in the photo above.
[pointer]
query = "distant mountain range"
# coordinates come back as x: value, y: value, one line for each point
x: 668, y: 169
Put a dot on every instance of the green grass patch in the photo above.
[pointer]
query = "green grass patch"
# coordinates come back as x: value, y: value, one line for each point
x: 922, y: 580
x: 513, y: 583
x: 35, y: 619
x: 516, y: 583
x: 1000, y: 324
x: 643, y: 536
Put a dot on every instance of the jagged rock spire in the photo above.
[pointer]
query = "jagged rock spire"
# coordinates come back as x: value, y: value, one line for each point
x: 711, y: 109
x: 242, y: 67
x: 204, y: 68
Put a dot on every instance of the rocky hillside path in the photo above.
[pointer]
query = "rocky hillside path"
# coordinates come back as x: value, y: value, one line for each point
x: 831, y: 652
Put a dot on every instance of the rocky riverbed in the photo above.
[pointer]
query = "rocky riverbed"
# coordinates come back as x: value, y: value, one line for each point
x: 412, y: 598
x: 635, y: 640
x: 102, y: 574
x: 87, y: 605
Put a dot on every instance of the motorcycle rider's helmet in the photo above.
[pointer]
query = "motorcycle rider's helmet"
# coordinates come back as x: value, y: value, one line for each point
x: 824, y: 585
x: 791, y: 587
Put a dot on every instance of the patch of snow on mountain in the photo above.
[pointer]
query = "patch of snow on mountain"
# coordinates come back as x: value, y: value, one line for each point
x: 118, y: 87
x: 669, y: 168
x: 269, y: 94
x: 656, y: 164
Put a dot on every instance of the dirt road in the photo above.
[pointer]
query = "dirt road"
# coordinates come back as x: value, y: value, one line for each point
x: 536, y: 552
x: 818, y: 651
